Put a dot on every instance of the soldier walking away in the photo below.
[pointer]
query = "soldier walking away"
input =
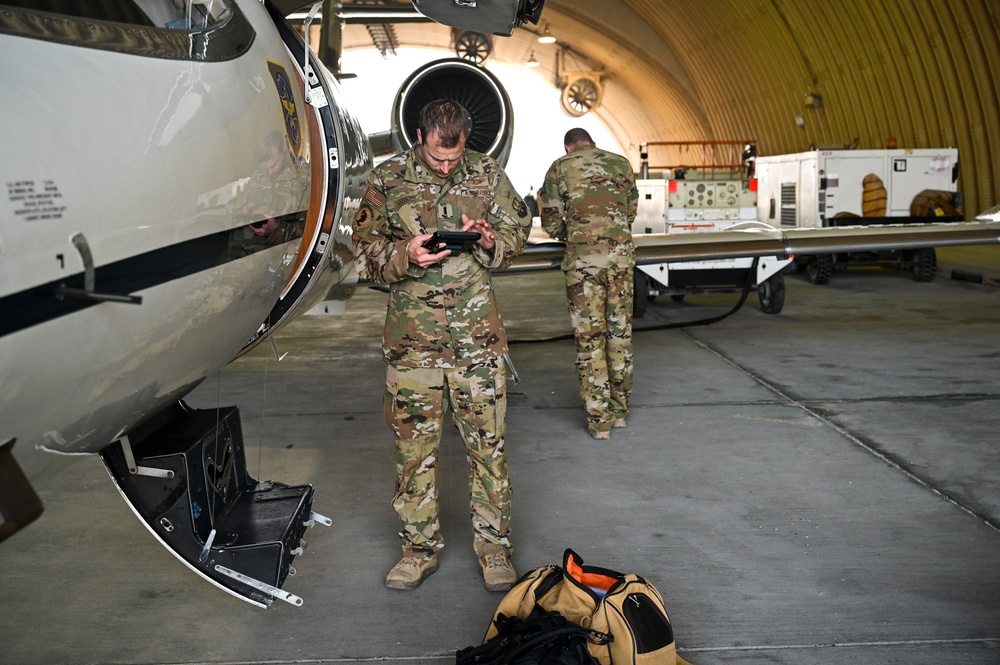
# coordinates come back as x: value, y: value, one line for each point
x: 589, y: 200
x: 444, y: 339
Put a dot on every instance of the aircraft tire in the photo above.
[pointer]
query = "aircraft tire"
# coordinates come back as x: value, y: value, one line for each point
x: 924, y: 265
x: 772, y: 294
x: 640, y: 294
x: 820, y: 269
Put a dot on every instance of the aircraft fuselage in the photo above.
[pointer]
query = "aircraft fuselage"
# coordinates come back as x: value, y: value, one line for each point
x: 156, y: 166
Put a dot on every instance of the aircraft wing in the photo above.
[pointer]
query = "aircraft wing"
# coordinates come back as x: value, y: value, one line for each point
x: 756, y: 239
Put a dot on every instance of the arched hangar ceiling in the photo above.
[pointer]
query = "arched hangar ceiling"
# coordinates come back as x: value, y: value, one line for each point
x: 789, y: 74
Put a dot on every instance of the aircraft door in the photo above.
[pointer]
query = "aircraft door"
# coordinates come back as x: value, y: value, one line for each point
x: 340, y: 162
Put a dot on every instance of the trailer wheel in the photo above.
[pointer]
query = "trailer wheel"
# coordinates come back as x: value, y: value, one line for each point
x: 640, y: 293
x: 924, y: 264
x: 820, y: 268
x: 772, y: 293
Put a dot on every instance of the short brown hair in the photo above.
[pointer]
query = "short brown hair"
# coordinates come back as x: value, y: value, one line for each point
x: 449, y: 119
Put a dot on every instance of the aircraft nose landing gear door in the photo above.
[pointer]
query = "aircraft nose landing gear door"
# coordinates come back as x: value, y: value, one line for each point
x: 185, y: 477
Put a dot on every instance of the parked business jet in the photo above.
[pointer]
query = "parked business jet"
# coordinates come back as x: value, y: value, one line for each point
x: 180, y: 182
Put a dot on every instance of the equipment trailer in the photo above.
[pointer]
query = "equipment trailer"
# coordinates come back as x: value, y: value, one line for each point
x: 713, y: 192
x: 827, y: 188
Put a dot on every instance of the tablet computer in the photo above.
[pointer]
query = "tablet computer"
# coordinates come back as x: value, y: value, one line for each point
x: 454, y: 241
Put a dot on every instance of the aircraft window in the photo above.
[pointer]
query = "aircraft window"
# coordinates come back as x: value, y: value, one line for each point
x: 197, y: 30
x: 117, y: 11
x: 173, y: 14
x: 185, y: 14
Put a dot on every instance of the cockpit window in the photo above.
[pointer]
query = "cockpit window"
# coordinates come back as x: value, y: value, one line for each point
x: 184, y: 14
x: 170, y: 14
x: 202, y: 30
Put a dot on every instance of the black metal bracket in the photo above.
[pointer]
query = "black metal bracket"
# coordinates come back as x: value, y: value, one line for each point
x: 19, y: 505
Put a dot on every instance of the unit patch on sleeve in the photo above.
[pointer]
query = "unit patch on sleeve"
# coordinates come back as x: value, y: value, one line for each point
x: 364, y: 220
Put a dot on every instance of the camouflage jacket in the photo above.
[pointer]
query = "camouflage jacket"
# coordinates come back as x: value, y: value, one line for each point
x: 589, y: 200
x: 445, y: 315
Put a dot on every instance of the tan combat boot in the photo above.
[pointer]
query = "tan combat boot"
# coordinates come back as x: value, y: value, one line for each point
x: 410, y: 572
x: 599, y: 434
x: 498, y: 574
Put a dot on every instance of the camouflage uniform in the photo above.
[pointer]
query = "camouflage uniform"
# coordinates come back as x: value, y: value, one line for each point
x: 589, y: 200
x: 244, y: 242
x: 443, y: 337
x: 276, y: 191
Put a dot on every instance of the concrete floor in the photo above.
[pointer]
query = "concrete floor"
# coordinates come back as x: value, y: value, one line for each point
x: 821, y: 486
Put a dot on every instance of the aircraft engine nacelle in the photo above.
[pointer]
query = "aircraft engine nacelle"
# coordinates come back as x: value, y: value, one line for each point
x: 474, y: 87
x: 499, y: 17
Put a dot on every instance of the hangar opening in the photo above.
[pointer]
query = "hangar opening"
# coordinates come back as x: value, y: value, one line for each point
x: 539, y: 121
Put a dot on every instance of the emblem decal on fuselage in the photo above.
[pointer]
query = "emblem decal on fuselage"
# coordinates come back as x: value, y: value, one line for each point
x: 289, y: 112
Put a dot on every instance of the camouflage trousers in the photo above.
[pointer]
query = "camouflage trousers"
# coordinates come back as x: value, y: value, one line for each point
x: 600, y: 308
x: 415, y: 403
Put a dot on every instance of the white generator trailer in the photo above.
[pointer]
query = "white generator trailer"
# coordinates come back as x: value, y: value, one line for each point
x: 824, y: 188
x: 703, y: 201
x: 706, y: 186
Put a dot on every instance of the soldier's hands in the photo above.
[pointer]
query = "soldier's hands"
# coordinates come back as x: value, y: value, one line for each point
x: 420, y: 255
x: 423, y: 257
x: 488, y: 239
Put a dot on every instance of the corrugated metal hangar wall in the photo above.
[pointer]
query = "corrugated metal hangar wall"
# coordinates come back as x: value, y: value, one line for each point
x: 790, y: 74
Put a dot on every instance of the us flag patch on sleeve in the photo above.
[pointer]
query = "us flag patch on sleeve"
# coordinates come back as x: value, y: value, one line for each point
x: 374, y: 197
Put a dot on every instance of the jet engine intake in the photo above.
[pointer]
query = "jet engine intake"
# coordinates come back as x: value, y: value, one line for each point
x: 474, y: 87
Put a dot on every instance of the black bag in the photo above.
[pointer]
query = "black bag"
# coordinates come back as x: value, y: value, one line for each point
x: 541, y: 638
